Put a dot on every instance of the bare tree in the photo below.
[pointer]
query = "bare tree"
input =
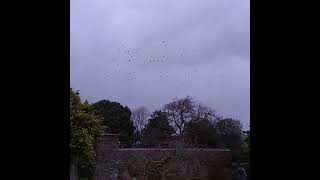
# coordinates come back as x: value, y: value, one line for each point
x: 204, y: 112
x: 179, y: 112
x: 140, y: 117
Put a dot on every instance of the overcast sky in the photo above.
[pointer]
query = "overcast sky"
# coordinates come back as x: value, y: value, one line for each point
x: 148, y: 52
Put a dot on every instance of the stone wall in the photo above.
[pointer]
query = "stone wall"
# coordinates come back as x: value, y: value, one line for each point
x: 107, y: 147
x: 160, y: 164
x: 73, y: 172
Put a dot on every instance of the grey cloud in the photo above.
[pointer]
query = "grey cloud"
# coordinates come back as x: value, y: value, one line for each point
x: 206, y: 49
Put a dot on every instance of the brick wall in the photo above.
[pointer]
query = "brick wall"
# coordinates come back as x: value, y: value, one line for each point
x: 160, y: 164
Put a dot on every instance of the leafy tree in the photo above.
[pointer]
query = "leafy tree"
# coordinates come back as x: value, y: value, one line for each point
x: 84, y: 128
x: 231, y: 134
x: 203, y: 134
x: 230, y: 130
x: 117, y: 119
x: 157, y: 131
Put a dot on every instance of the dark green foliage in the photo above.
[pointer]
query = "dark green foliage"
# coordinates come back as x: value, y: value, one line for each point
x: 117, y: 119
x: 230, y: 131
x: 157, y: 131
x: 203, y: 134
x: 246, y: 151
x: 84, y: 128
x: 231, y: 135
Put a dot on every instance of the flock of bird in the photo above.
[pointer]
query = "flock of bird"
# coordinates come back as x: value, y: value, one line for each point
x: 124, y: 54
